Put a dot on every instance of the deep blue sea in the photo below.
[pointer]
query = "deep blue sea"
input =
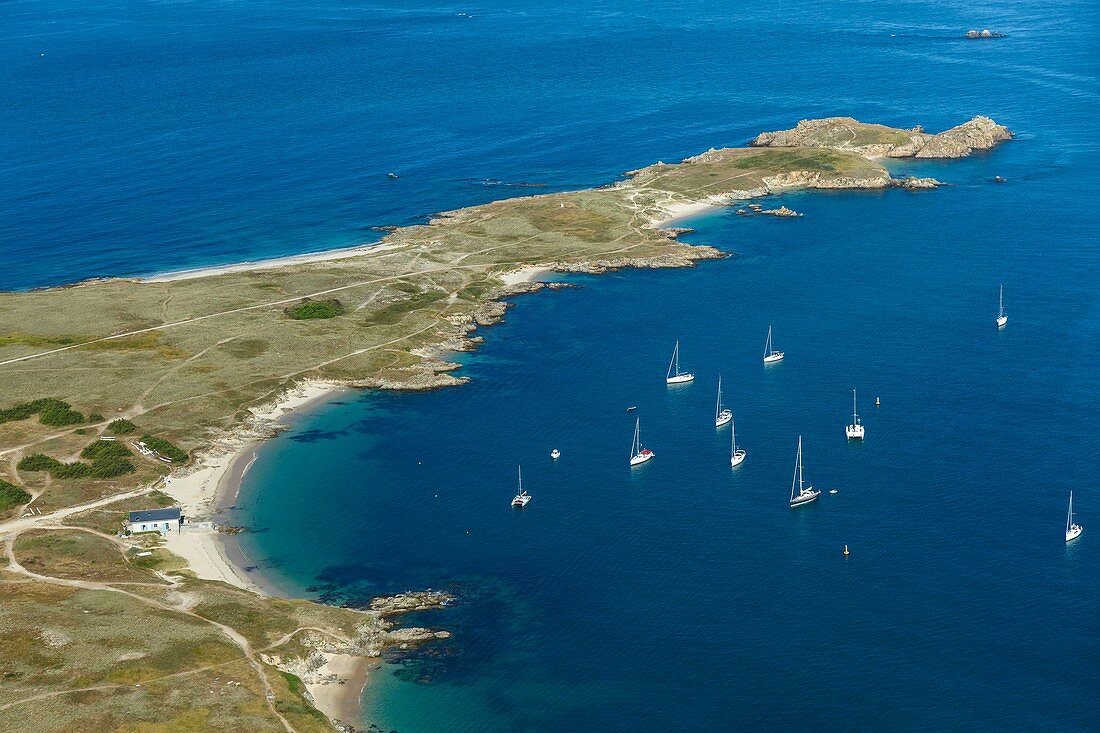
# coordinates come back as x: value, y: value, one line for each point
x: 682, y: 595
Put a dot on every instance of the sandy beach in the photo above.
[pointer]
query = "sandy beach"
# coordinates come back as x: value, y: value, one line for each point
x: 213, y: 484
x: 325, y: 256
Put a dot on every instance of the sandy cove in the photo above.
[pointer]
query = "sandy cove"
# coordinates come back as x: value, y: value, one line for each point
x: 214, y: 482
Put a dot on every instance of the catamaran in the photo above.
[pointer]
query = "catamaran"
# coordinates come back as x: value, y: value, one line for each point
x: 736, y: 454
x: 638, y: 454
x: 675, y: 376
x: 855, y: 430
x: 522, y: 497
x: 771, y: 356
x: 805, y: 494
x: 1002, y: 319
x: 721, y: 415
x: 1073, y: 530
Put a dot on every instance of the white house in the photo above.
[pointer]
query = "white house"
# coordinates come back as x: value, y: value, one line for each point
x: 156, y: 520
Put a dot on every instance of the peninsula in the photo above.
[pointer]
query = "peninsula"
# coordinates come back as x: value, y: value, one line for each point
x: 128, y: 394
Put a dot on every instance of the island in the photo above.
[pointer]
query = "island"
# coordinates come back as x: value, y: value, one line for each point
x: 131, y: 395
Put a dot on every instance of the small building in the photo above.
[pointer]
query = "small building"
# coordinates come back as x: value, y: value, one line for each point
x: 157, y: 520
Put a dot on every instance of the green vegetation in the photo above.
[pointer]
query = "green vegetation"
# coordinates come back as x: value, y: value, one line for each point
x: 96, y: 417
x: 11, y: 496
x: 309, y: 309
x: 105, y: 449
x: 121, y: 427
x: 50, y: 410
x: 107, y: 463
x: 165, y: 448
x: 37, y: 462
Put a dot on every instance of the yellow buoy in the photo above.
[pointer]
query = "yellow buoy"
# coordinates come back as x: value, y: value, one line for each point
x: 845, y: 550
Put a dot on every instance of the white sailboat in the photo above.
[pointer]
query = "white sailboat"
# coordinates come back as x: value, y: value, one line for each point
x: 721, y: 415
x: 1002, y: 319
x: 855, y: 430
x: 675, y: 376
x: 638, y: 454
x: 522, y: 497
x: 771, y: 356
x: 1073, y: 530
x: 805, y: 494
x: 736, y: 454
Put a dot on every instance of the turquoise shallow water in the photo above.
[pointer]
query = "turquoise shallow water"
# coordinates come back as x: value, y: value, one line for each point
x: 682, y: 595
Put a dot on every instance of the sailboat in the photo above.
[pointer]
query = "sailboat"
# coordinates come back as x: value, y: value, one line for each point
x: 1002, y: 319
x: 522, y: 497
x: 736, y: 454
x: 855, y: 430
x: 638, y: 454
x: 675, y: 376
x: 771, y: 356
x: 1073, y: 530
x: 805, y: 494
x: 721, y: 415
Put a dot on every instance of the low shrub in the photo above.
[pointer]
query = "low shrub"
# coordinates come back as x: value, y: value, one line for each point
x: 50, y: 410
x: 121, y: 427
x: 38, y: 462
x: 11, y: 496
x: 105, y: 449
x: 109, y: 467
x: 165, y: 448
x: 309, y: 309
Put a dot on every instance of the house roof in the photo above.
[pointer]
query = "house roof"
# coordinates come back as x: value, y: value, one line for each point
x: 155, y: 515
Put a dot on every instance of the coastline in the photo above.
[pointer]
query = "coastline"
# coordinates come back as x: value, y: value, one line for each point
x: 213, y: 484
x: 306, y: 258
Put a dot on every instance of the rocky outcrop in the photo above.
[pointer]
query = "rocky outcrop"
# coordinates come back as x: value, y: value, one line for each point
x: 815, y: 179
x: 916, y: 184
x: 781, y: 211
x: 409, y: 602
x: 985, y: 33
x: 846, y: 133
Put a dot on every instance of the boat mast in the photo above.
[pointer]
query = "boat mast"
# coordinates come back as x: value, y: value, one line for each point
x: 768, y: 343
x: 718, y: 407
x: 1069, y: 516
x: 855, y: 417
x: 1001, y: 300
x: 675, y: 360
x: 637, y: 435
x: 520, y: 479
x: 797, y: 478
x: 733, y: 437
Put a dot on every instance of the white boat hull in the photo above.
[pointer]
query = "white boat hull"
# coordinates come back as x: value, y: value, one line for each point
x: 1074, y: 532
x: 1002, y: 321
x: 555, y: 454
x: 774, y: 358
x: 521, y: 501
x: 737, y: 458
x: 640, y: 458
x: 680, y: 379
x: 854, y: 432
x: 723, y: 418
x: 805, y: 497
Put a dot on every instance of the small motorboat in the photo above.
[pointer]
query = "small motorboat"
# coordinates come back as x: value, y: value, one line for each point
x: 632, y: 408
x: 555, y: 454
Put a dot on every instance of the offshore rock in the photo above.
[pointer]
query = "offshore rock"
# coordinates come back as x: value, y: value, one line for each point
x: 781, y: 211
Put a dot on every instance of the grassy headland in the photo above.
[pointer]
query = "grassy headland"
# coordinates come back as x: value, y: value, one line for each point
x: 95, y: 635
